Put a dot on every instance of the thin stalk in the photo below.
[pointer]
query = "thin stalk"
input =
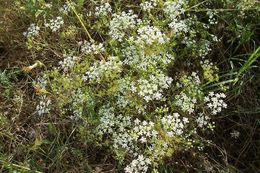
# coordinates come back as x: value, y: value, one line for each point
x: 81, y: 21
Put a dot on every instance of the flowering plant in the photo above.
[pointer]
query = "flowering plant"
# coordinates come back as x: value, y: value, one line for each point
x: 139, y: 83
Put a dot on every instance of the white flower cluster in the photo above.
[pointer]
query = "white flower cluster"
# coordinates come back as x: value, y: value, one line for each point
x: 41, y: 81
x: 104, y: 69
x: 149, y: 5
x: 202, y: 120
x: 210, y: 71
x: 173, y: 124
x: 186, y: 103
x: 204, y: 49
x: 121, y: 23
x: 125, y: 141
x: 139, y: 165
x: 190, y: 42
x: 55, y: 24
x: 152, y: 88
x: 125, y: 133
x: 78, y: 98
x: 103, y: 9
x: 206, y: 64
x: 122, y: 101
x: 107, y: 120
x: 122, y: 93
x: 91, y: 48
x: 124, y: 97
x: 144, y: 130
x: 174, y: 8
x: 110, y: 123
x: 137, y: 59
x: 179, y: 26
x: 187, y: 98
x: 141, y: 109
x: 33, y: 30
x: 215, y: 102
x: 158, y: 150
x: 44, y: 106
x: 68, y: 63
x: 188, y: 81
x: 65, y: 8
x: 235, y: 134
x: 212, y: 19
x: 150, y: 35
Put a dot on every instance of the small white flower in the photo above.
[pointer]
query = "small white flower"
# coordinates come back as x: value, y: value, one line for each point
x: 103, y: 9
x: 68, y: 63
x: 55, y: 24
x: 235, y: 134
x: 151, y: 89
x: 139, y: 165
x: 102, y: 68
x: 173, y: 125
x: 44, y: 106
x: 150, y: 35
x: 33, y: 30
x: 137, y: 121
x: 215, y: 102
x: 65, y: 8
x: 149, y: 5
x: 174, y: 8
x: 120, y: 23
x: 92, y: 48
x: 202, y: 120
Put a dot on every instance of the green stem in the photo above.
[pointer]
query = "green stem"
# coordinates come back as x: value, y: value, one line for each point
x: 80, y: 20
